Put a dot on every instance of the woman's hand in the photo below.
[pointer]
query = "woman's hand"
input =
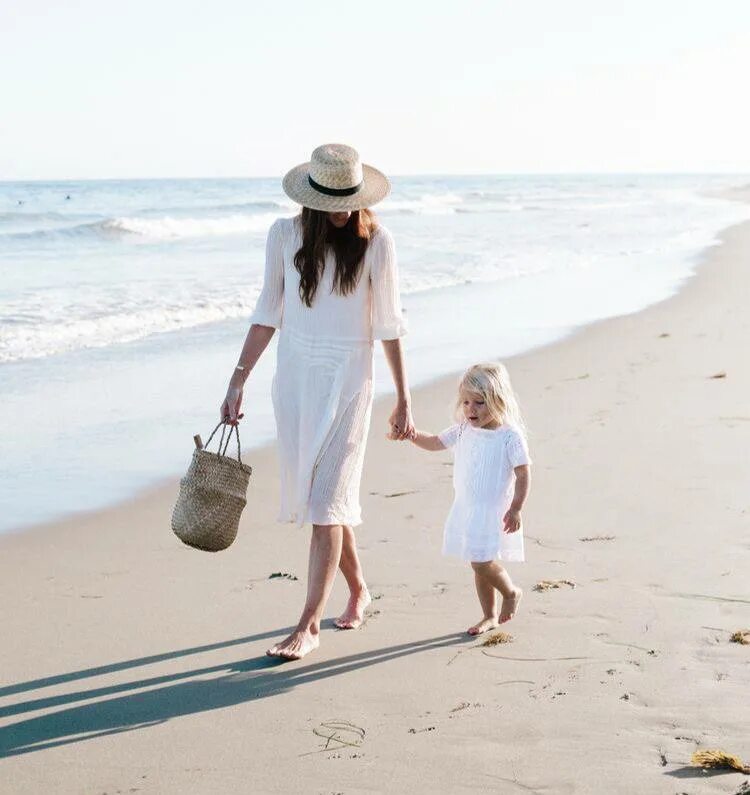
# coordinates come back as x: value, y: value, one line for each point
x: 511, y: 521
x: 401, y: 422
x: 230, y: 408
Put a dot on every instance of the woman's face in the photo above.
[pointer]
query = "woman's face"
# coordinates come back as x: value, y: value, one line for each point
x: 476, y: 411
x: 339, y: 220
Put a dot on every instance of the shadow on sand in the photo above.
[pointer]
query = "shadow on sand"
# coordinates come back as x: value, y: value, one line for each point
x: 175, y: 694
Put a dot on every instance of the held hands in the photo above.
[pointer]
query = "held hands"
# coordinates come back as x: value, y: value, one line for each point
x: 401, y: 423
x: 511, y: 521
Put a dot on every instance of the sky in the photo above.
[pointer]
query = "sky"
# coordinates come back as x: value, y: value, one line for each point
x: 95, y: 89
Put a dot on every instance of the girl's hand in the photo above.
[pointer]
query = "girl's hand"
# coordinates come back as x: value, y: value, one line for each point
x: 401, y: 422
x: 511, y: 521
x: 230, y: 408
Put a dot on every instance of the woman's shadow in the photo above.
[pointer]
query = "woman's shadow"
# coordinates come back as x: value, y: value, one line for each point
x: 243, y: 680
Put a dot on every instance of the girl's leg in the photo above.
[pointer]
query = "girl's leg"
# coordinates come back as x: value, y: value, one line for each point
x: 496, y: 576
x: 359, y: 596
x: 325, y: 552
x: 488, y: 601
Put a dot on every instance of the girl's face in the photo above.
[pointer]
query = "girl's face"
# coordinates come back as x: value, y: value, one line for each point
x: 339, y: 220
x: 476, y: 412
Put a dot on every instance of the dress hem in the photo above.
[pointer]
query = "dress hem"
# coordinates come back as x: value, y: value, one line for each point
x: 513, y: 557
x: 329, y: 520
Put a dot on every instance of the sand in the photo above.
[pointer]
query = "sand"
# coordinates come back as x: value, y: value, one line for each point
x: 133, y: 664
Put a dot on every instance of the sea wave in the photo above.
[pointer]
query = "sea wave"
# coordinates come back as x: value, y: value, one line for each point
x: 158, y: 228
x: 219, y: 209
x: 427, y: 204
x: 169, y: 228
x: 32, y: 337
x: 26, y: 218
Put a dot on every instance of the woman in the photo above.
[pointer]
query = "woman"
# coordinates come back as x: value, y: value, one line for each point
x: 331, y: 287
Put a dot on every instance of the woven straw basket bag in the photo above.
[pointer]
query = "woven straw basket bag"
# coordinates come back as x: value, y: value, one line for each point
x: 212, y: 495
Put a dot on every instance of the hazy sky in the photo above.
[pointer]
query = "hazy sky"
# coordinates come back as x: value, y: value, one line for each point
x: 167, y: 88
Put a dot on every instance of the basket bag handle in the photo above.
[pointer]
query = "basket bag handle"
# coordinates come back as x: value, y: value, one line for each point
x: 225, y: 444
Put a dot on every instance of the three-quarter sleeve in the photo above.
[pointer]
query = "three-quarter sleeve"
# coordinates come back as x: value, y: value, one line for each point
x: 269, y: 307
x: 388, y: 322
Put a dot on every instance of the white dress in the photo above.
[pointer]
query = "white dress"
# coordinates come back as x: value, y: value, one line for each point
x: 322, y: 389
x: 484, y: 481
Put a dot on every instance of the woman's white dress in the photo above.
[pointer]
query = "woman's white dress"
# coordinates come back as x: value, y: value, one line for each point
x: 484, y: 482
x: 322, y: 389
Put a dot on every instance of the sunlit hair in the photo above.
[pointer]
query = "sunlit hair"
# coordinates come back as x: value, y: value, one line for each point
x: 348, y: 245
x: 492, y: 382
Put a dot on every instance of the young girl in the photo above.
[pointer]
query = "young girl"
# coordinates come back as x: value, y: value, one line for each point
x: 491, y: 482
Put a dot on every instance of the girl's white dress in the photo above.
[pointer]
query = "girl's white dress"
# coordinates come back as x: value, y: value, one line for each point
x: 484, y: 481
x: 322, y: 389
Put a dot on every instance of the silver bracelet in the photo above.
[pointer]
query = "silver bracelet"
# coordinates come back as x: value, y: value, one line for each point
x: 240, y: 368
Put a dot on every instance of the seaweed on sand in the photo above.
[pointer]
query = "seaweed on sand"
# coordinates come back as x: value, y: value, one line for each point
x: 546, y: 585
x: 717, y: 759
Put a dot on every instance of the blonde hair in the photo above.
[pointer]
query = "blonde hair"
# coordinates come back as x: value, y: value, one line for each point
x: 492, y: 382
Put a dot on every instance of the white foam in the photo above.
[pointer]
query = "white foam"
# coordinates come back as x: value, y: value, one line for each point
x: 427, y: 204
x: 169, y: 228
x: 111, y: 323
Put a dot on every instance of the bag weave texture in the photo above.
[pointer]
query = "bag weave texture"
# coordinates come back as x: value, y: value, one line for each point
x: 212, y: 495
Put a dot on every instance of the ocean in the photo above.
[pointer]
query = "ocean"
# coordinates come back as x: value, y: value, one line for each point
x: 124, y: 304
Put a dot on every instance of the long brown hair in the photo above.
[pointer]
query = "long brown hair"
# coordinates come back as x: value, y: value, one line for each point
x: 348, y: 243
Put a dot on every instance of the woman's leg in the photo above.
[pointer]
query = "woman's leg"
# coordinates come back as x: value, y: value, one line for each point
x: 359, y: 596
x: 325, y: 552
x: 496, y: 575
x: 488, y: 600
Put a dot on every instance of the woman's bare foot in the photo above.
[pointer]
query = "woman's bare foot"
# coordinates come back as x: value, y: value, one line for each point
x: 510, y: 605
x: 296, y: 646
x: 354, y: 614
x: 484, y: 625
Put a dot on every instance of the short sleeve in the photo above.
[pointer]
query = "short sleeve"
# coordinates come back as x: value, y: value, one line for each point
x: 449, y: 436
x: 518, y: 450
x: 388, y: 322
x: 269, y: 307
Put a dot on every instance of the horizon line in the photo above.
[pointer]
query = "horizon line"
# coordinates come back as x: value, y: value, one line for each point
x: 433, y: 175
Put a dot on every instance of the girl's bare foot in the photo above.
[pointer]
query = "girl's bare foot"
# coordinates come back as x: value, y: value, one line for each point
x: 483, y: 626
x: 510, y: 605
x: 354, y: 614
x: 296, y: 646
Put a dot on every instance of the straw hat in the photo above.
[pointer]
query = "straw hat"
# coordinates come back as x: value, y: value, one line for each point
x: 336, y: 180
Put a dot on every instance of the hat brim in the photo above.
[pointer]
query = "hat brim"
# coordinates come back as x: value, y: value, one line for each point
x: 375, y: 187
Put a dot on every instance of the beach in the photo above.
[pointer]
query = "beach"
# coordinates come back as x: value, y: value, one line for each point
x: 123, y: 309
x: 134, y: 664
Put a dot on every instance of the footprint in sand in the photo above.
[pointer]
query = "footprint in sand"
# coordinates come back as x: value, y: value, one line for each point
x: 337, y: 735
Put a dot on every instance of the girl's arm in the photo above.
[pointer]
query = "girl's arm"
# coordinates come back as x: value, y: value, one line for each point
x: 512, y: 518
x: 426, y: 441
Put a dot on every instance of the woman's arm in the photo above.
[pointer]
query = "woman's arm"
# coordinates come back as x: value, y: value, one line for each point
x: 266, y: 318
x: 400, y: 420
x: 256, y: 342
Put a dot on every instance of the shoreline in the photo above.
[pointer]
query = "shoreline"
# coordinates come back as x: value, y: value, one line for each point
x: 126, y: 644
x: 168, y: 483
x: 115, y: 419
